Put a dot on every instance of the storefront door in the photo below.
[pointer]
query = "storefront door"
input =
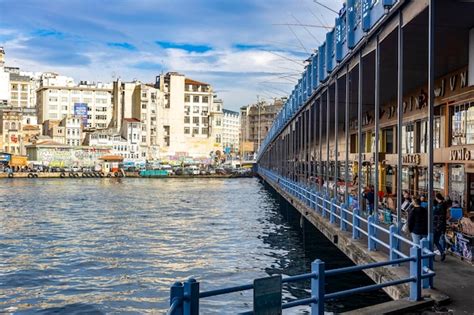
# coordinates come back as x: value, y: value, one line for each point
x: 470, y: 192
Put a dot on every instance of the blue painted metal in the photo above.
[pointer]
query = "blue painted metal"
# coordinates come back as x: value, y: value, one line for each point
x: 355, y: 224
x: 425, y: 243
x: 191, y: 302
x: 393, y: 241
x: 371, y: 230
x: 322, y: 73
x: 330, y: 52
x: 341, y: 36
x: 415, y: 272
x: 186, y: 302
x: 332, y: 218
x: 176, y: 299
x: 317, y: 287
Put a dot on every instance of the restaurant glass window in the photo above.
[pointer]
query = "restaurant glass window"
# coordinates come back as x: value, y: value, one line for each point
x: 462, y: 124
x: 423, y: 136
x: 389, y: 141
x: 422, y: 187
x: 438, y: 178
x: 408, y: 138
x: 437, y: 133
x: 390, y: 172
x: 457, y: 182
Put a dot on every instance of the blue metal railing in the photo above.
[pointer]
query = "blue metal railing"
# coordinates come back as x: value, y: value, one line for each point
x: 396, y: 245
x: 184, y: 297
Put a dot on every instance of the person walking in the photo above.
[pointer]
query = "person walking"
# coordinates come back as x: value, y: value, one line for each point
x: 417, y: 222
x: 369, y: 195
x: 439, y: 224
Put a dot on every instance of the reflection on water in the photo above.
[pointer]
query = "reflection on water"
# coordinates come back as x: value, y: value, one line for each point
x: 110, y: 245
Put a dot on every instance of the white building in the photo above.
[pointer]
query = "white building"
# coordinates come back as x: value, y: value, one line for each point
x: 59, y: 96
x: 230, y: 130
x: 143, y: 102
x: 125, y: 143
x: 187, y: 115
x: 4, y: 81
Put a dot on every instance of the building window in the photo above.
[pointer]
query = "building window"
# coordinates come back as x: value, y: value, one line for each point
x: 218, y: 122
x: 143, y: 105
x: 408, y: 138
x: 205, y: 99
x: 196, y: 120
x: 195, y: 99
x: 205, y: 120
x: 186, y: 130
x: 195, y: 131
x: 187, y: 98
x: 204, y: 131
x: 143, y: 138
x: 187, y: 119
x: 218, y: 138
x: 196, y: 109
x: 462, y: 124
x: 388, y: 139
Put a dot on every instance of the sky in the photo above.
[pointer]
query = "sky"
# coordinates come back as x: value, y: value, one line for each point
x: 239, y: 47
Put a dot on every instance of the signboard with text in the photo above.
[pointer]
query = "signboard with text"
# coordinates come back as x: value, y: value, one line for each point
x: 80, y: 109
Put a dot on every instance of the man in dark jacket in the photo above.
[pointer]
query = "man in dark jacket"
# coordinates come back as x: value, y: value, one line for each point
x: 417, y: 222
x: 439, y: 224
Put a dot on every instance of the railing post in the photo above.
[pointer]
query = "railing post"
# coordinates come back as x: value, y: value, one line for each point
x: 371, y: 233
x: 177, y: 292
x: 332, y: 218
x: 317, y: 287
x: 342, y: 223
x: 393, y: 241
x: 355, y: 224
x: 191, y: 301
x: 415, y: 272
x: 425, y: 244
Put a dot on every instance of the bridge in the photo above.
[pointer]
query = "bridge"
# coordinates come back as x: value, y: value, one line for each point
x: 381, y: 106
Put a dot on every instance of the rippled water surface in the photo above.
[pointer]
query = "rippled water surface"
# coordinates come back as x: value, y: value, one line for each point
x: 116, y: 246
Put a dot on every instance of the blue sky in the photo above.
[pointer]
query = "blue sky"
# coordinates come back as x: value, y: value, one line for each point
x: 233, y: 45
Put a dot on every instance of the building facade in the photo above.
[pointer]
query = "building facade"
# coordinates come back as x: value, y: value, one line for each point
x: 4, y: 81
x: 11, y: 131
x: 256, y: 120
x: 188, y: 116
x: 59, y: 96
x: 230, y: 131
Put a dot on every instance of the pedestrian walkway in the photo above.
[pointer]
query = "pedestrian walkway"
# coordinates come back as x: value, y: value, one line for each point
x: 456, y: 279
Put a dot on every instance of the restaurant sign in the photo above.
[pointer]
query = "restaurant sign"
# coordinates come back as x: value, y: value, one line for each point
x: 411, y: 159
x: 461, y: 154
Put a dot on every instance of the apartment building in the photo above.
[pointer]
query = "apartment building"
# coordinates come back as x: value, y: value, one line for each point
x: 230, y: 130
x: 190, y: 119
x: 256, y: 121
x: 11, y: 131
x: 59, y: 96
x: 4, y: 81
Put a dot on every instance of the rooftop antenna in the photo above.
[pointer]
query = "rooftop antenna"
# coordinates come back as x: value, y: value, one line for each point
x: 326, y: 7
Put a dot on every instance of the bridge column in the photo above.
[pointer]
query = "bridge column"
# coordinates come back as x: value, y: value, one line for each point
x: 377, y: 128
x: 346, y: 129
x: 359, y: 134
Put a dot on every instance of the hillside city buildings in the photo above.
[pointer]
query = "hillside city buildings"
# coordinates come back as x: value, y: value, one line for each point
x: 171, y: 120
